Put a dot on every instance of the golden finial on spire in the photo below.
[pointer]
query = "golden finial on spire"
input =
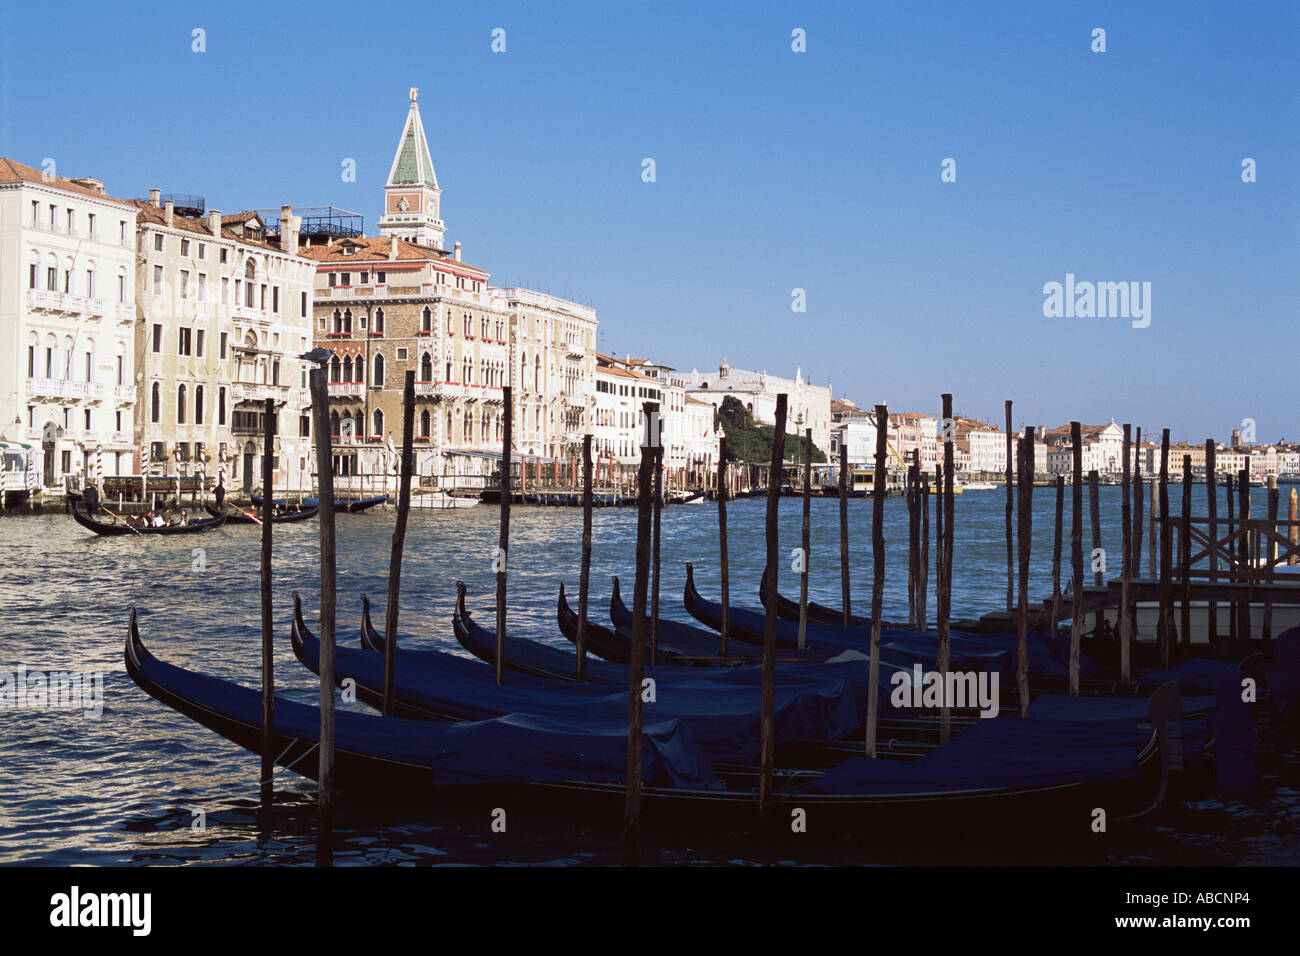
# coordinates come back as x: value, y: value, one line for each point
x: 415, y: 91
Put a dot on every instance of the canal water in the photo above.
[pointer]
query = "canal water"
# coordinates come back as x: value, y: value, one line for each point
x: 133, y: 784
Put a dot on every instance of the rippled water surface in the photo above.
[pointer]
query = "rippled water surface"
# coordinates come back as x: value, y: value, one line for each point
x: 125, y: 788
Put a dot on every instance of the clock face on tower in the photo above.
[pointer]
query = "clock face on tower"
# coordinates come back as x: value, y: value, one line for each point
x: 403, y: 205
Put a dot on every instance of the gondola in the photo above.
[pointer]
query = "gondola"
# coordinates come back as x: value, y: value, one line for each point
x: 723, y: 717
x: 817, y: 613
x: 117, y: 528
x: 281, y: 516
x: 557, y: 769
x: 341, y: 505
x: 690, y: 641
x: 392, y: 758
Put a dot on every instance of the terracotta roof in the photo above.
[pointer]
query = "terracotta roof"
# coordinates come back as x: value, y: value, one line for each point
x: 12, y: 171
x: 149, y: 214
x: 376, y: 249
x: 696, y: 401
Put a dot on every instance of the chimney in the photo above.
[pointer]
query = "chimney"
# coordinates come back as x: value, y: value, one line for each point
x: 456, y: 249
x: 289, y: 224
x: 90, y: 183
x: 169, y: 212
x: 392, y: 247
x: 214, y: 222
x: 155, y: 198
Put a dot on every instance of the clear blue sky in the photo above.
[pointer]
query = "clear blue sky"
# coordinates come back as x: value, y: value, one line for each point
x: 775, y: 170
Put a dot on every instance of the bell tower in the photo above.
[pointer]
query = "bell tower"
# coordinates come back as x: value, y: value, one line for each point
x: 411, y: 195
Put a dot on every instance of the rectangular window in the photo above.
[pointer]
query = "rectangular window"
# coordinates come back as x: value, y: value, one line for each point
x: 221, y: 406
x: 184, y: 341
x: 198, y: 344
x: 157, y: 337
x: 67, y: 280
x: 52, y: 279
x: 198, y: 404
x: 157, y: 280
x: 224, y: 253
x: 90, y: 367
x: 225, y: 289
x: 121, y: 370
x: 36, y: 213
x: 31, y: 276
x: 203, y: 250
x: 332, y: 280
x: 365, y: 278
x: 31, y: 361
x: 302, y: 307
x: 121, y: 288
x: 121, y: 231
x: 90, y: 283
x: 185, y: 283
x: 222, y: 356
x: 347, y: 279
x: 383, y: 277
x: 88, y: 420
x: 158, y: 242
x: 49, y: 363
x: 54, y: 217
x: 275, y: 300
x: 117, y: 422
x: 185, y: 247
x: 203, y: 287
x: 90, y: 225
x: 262, y: 299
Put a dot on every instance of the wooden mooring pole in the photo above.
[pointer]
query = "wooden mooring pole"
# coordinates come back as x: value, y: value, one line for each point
x: 1094, y: 520
x: 844, y: 536
x: 913, y: 536
x: 1056, y: 555
x: 1229, y: 485
x: 767, y: 734
x: 1270, y: 554
x: 1212, y: 525
x: 1243, y: 554
x: 1293, y: 515
x: 325, y: 770
x: 1166, y: 556
x: 584, y: 575
x: 503, y: 543
x: 636, y: 663
x: 945, y: 578
x: 1185, y: 555
x: 723, y: 491
x: 268, y: 615
x: 923, y: 570
x: 399, y: 540
x: 1009, y: 507
x: 1126, y: 559
x: 1137, y: 504
x: 1076, y: 554
x: 806, y: 538
x: 878, y: 492
x: 1025, y: 470
x: 652, y: 411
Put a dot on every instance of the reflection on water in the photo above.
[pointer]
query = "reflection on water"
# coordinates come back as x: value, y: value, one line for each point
x: 126, y: 787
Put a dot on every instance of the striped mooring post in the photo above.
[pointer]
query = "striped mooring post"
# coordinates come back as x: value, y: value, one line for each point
x: 144, y: 473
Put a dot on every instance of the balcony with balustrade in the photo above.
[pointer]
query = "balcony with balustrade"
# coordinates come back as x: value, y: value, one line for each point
x: 44, y: 300
x: 256, y: 392
x: 347, y: 390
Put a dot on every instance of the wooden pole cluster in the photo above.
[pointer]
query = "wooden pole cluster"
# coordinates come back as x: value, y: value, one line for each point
x: 945, y: 561
x: 722, y: 538
x: 268, y: 619
x: 1010, y: 504
x: 844, y: 535
x: 503, y: 544
x: 806, y: 539
x: 1025, y: 470
x: 1076, y: 554
x: 399, y: 540
x: 1126, y: 561
x: 325, y: 770
x: 767, y: 734
x: 636, y: 664
x: 878, y: 491
x: 1270, y: 554
x: 584, y: 579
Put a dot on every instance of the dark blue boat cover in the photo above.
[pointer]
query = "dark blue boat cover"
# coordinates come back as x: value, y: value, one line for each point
x: 723, y: 718
x: 979, y: 652
x: 512, y: 748
x: 1199, y: 673
x: 1003, y: 752
x: 1284, y: 673
x: 1132, y: 709
x: 1233, y: 724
